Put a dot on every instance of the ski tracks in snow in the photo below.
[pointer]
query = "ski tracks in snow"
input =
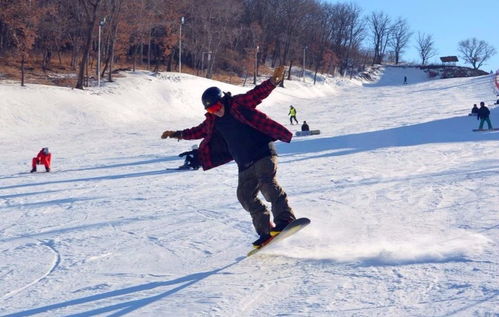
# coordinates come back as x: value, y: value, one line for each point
x: 56, y: 260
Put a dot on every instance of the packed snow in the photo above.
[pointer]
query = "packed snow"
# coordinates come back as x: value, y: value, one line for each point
x: 401, y: 193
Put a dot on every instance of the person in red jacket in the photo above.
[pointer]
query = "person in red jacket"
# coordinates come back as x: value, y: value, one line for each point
x: 235, y: 130
x: 44, y: 157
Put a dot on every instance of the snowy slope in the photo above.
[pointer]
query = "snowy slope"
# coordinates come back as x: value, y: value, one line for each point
x: 394, y: 76
x: 402, y: 197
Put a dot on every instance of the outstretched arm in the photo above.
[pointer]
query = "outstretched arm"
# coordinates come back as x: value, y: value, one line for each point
x: 186, y: 134
x: 255, y: 96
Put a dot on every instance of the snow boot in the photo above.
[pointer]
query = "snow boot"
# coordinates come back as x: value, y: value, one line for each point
x: 279, y: 227
x: 263, y: 240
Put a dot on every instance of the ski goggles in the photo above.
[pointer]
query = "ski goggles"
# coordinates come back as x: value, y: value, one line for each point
x: 216, y: 107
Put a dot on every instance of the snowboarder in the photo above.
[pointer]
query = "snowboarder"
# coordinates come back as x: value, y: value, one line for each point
x: 292, y: 115
x: 483, y: 115
x: 191, y: 158
x: 305, y: 127
x: 234, y: 129
x: 44, y: 157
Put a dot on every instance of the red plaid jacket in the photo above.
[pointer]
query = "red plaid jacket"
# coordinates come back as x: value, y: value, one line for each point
x: 213, y: 150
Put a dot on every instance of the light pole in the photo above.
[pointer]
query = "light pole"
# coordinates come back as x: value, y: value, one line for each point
x: 303, y: 68
x: 101, y: 24
x: 256, y: 65
x: 180, y: 46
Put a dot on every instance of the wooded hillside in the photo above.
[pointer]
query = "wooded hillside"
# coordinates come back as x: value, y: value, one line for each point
x: 232, y: 37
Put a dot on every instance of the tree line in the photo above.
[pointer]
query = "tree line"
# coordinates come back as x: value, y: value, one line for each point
x: 230, y: 36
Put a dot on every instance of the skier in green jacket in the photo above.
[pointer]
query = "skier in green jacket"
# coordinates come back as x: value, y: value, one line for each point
x: 292, y: 115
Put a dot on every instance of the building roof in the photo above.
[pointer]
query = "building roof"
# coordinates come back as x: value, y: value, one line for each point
x: 448, y: 59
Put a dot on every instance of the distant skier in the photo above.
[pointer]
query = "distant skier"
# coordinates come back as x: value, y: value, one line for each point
x: 405, y: 80
x: 305, y: 127
x: 474, y: 111
x: 191, y: 158
x: 292, y: 115
x: 483, y: 115
x: 44, y: 157
x: 235, y: 130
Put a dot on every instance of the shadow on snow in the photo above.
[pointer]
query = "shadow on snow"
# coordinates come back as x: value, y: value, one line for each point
x: 92, y: 179
x: 450, y: 130
x: 91, y: 226
x: 126, y: 305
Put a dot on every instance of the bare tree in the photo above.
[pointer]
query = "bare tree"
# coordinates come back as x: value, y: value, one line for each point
x: 213, y: 31
x: 399, y: 39
x: 425, y: 47
x: 50, y: 33
x: 379, y: 24
x: 295, y: 13
x: 319, y: 36
x: 136, y: 25
x: 225, y: 35
x: 90, y: 8
x: 22, y: 26
x: 346, y: 32
x: 476, y: 52
x: 113, y: 16
x: 354, y: 35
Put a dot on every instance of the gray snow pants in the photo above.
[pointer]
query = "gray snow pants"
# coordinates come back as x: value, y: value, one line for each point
x: 261, y: 177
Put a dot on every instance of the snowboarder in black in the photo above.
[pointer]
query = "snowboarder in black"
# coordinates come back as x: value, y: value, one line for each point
x: 483, y: 115
x: 305, y: 127
x: 191, y: 159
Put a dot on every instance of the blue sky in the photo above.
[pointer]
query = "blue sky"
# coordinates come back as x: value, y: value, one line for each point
x: 448, y: 21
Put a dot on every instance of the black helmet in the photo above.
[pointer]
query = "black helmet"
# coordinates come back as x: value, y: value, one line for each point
x: 211, y: 96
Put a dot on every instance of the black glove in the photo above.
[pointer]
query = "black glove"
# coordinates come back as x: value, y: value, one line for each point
x: 172, y: 134
x: 278, y: 75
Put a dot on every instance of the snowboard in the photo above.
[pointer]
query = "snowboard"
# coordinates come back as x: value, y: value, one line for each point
x: 306, y: 133
x: 485, y: 130
x: 181, y: 168
x: 288, y: 231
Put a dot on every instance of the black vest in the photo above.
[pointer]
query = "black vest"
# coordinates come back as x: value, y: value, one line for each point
x: 246, y: 144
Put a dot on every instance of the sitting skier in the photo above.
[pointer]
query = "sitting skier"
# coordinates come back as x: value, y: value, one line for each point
x: 474, y: 111
x: 44, y: 157
x: 191, y: 159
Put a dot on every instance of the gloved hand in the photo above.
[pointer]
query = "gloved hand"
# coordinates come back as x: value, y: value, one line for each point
x: 172, y: 134
x: 278, y: 75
